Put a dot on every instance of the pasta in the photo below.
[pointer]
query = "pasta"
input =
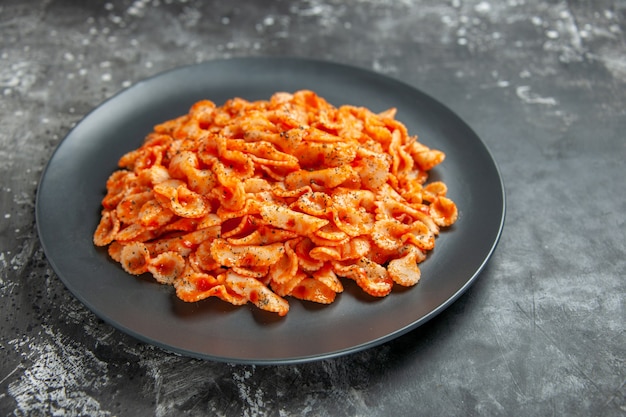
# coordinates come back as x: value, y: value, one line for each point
x: 258, y: 201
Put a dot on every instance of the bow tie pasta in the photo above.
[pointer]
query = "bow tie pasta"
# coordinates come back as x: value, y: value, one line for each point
x: 260, y: 201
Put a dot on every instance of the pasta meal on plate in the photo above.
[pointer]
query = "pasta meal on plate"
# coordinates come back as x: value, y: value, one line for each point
x: 259, y: 201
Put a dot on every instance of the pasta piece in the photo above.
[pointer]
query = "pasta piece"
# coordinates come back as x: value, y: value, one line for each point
x: 257, y: 293
x: 186, y: 166
x: 128, y: 208
x: 284, y: 288
x: 181, y: 200
x: 443, y: 211
x: 355, y: 248
x: 262, y: 236
x: 320, y: 241
x: 372, y: 169
x: 135, y: 258
x: 197, y: 286
x: 181, y: 225
x: 352, y: 211
x: 285, y: 268
x: 184, y: 244
x: 404, y: 271
x: 325, y: 253
x: 315, y: 154
x: 117, y: 186
x: 166, y: 267
x: 285, y: 218
x: 134, y: 232
x: 265, y: 153
x: 314, y: 203
x: 370, y: 276
x: 152, y: 214
x: 115, y: 251
x: 327, y: 276
x: 230, y: 190
x: 388, y: 233
x: 239, y: 227
x: 425, y: 157
x: 332, y: 233
x: 313, y: 290
x: 421, y: 236
x: 230, y: 255
x: 325, y: 178
x: 258, y: 272
x: 303, y: 256
x: 107, y: 229
x: 433, y: 190
x: 154, y: 175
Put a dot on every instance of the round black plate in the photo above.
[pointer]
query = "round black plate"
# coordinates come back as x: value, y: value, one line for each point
x: 73, y: 184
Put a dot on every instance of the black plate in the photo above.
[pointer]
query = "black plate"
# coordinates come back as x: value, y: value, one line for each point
x: 72, y: 186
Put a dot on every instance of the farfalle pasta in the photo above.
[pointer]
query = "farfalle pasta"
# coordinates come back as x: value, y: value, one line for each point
x: 259, y: 201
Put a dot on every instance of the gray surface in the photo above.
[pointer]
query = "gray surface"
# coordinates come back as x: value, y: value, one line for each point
x: 540, y: 333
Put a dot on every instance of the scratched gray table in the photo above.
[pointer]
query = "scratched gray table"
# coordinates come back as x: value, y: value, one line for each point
x: 542, y: 83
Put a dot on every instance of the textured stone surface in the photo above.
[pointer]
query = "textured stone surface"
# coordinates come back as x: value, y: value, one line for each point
x: 540, y: 333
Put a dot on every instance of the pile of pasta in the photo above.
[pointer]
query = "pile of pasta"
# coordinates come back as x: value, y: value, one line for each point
x: 257, y: 201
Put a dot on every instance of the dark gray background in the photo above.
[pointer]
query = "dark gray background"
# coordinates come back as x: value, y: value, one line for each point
x: 542, y: 83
